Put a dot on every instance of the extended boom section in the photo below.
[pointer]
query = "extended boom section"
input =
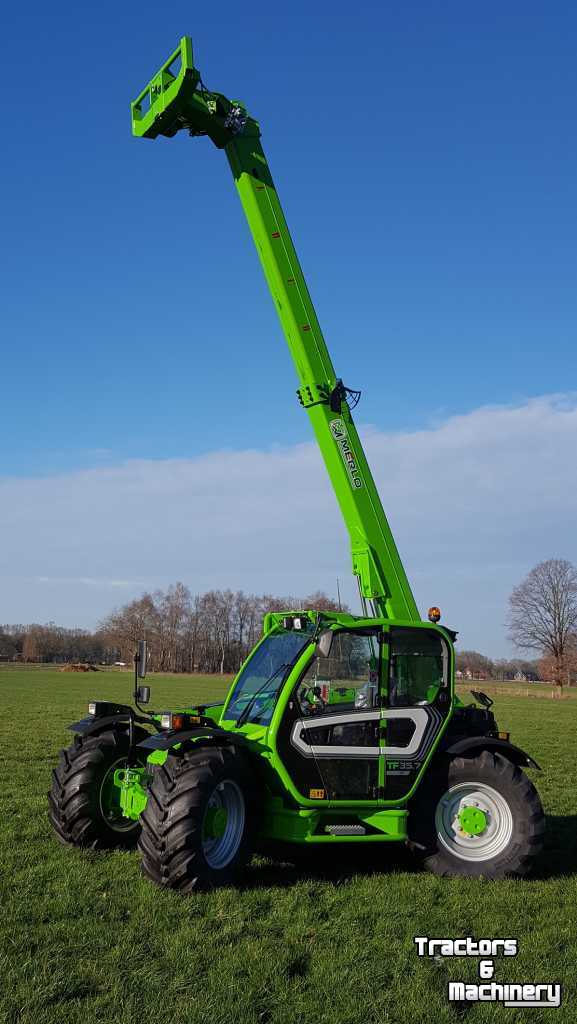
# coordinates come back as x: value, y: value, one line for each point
x: 177, y: 99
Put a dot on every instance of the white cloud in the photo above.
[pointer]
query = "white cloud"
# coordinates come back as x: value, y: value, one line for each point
x: 474, y: 502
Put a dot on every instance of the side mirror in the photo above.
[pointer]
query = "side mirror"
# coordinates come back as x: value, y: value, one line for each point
x: 141, y: 658
x: 324, y: 643
x: 142, y: 694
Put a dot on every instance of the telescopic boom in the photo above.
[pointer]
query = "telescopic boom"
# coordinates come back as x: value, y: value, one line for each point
x: 176, y: 99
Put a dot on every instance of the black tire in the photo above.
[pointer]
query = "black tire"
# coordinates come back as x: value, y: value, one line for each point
x: 177, y: 852
x: 76, y: 798
x: 513, y: 836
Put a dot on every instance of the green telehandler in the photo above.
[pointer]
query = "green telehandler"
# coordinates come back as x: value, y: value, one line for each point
x: 338, y: 728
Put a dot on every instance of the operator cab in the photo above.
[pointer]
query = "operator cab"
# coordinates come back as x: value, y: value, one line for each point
x: 354, y: 706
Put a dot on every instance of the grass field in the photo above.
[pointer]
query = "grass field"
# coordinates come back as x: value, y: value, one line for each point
x: 86, y: 938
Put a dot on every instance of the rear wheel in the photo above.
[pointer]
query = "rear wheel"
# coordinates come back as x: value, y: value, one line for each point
x: 482, y: 816
x: 84, y: 803
x: 198, y: 825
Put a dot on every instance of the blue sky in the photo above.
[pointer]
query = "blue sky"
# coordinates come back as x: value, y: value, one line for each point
x: 426, y: 158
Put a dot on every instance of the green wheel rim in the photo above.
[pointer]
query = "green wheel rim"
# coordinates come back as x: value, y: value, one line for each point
x: 474, y: 821
x: 109, y: 800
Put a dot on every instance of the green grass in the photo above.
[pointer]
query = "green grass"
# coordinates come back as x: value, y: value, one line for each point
x: 85, y: 938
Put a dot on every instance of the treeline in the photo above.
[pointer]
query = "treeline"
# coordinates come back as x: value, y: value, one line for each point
x: 211, y: 632
x: 52, y: 643
x: 476, y: 666
x: 473, y: 665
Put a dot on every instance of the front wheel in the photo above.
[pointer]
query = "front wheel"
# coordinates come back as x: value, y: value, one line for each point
x: 198, y: 825
x: 483, y: 816
x: 84, y: 803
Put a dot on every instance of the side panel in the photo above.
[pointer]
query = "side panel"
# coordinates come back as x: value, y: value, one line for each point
x: 411, y: 734
x: 302, y: 769
x: 345, y: 751
x: 418, y: 703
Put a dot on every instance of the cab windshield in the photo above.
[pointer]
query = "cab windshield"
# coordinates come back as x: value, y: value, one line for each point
x: 260, y: 681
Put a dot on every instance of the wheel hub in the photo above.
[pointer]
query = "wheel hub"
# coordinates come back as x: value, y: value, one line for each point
x: 215, y: 822
x: 472, y: 820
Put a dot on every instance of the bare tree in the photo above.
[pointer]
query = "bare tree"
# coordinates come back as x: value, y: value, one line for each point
x: 474, y: 665
x: 547, y: 664
x: 543, y: 612
x: 324, y: 603
x: 137, y: 620
x: 173, y: 610
x: 30, y: 647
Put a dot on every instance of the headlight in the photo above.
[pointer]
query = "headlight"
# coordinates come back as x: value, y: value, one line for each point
x: 176, y: 721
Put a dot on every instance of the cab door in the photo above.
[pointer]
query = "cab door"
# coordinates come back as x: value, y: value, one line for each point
x: 336, y: 729
x: 417, y: 676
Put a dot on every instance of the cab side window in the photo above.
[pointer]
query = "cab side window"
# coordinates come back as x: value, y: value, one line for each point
x: 418, y: 667
x: 348, y: 680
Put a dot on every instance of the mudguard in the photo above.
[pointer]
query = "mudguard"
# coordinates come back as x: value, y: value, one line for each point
x: 472, y: 745
x: 204, y: 733
x: 93, y: 724
x: 90, y: 724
